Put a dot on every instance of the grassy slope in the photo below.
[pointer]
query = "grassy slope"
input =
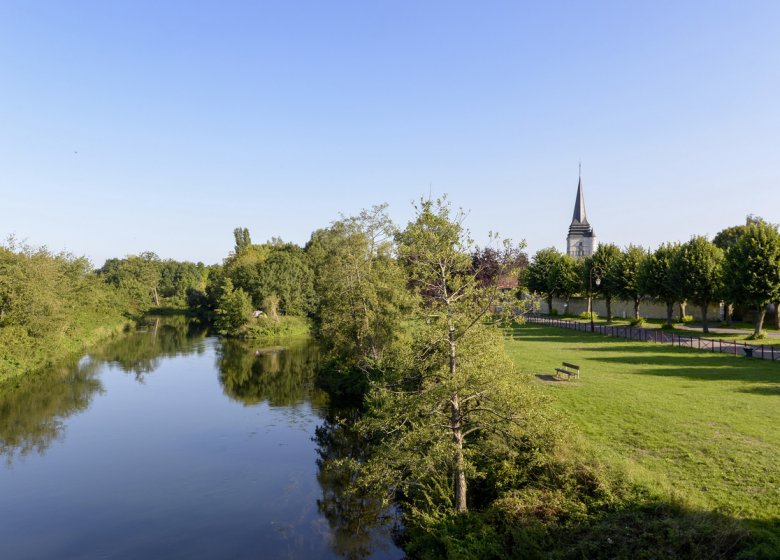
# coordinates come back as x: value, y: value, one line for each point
x: 686, y: 423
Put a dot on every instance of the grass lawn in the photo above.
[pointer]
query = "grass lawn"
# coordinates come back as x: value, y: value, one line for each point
x: 681, y: 422
x: 658, y: 323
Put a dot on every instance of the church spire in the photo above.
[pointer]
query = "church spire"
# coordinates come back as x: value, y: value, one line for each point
x: 579, y: 205
x: 581, y: 241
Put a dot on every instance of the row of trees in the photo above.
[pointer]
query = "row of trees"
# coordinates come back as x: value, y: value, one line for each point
x: 740, y: 266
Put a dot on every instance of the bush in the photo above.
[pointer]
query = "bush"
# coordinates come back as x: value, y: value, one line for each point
x: 758, y: 336
x: 638, y: 322
x: 686, y: 319
x: 586, y: 315
x: 553, y: 312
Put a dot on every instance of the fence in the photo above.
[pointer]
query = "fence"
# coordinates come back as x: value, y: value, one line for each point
x: 659, y: 336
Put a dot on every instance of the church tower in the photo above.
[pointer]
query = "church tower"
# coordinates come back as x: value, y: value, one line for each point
x: 581, y: 241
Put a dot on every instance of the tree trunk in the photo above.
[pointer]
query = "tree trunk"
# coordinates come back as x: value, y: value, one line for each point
x: 156, y: 299
x: 549, y: 305
x: 705, y: 327
x: 777, y: 315
x: 727, y: 308
x: 669, y: 313
x: 608, y: 301
x: 682, y: 310
x: 636, y: 308
x: 760, y: 312
x: 457, y: 436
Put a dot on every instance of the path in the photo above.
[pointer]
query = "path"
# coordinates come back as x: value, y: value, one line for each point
x: 659, y: 336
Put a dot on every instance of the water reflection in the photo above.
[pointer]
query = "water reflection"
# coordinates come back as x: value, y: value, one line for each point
x: 32, y: 412
x: 279, y: 372
x: 359, y: 523
x: 218, y: 467
x: 140, y: 353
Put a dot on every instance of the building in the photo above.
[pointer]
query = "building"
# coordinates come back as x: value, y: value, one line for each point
x: 581, y: 241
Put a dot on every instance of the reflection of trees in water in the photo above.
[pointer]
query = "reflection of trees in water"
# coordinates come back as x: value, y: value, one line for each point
x: 32, y: 412
x: 357, y: 519
x: 282, y: 375
x: 140, y: 353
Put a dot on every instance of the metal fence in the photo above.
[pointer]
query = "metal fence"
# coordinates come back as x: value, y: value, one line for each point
x: 659, y: 336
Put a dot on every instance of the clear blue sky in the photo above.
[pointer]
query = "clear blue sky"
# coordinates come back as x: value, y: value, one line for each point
x: 193, y: 118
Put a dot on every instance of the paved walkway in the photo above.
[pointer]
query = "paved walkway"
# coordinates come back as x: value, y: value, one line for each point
x: 673, y: 338
x: 725, y: 330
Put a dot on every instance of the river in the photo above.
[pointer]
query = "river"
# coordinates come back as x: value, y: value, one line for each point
x: 172, y: 444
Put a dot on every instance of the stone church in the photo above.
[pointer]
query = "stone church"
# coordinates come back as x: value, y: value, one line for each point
x: 581, y: 241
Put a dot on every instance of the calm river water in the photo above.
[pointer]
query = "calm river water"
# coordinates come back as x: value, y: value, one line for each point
x: 171, y: 444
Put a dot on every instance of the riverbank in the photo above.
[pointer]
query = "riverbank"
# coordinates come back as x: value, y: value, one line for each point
x: 22, y: 355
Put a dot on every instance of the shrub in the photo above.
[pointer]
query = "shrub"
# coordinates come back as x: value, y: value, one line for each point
x: 586, y: 315
x: 758, y: 336
x: 638, y: 322
x: 686, y: 319
x: 553, y: 312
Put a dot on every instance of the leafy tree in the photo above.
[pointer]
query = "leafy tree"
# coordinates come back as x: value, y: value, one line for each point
x: 454, y: 396
x: 698, y: 269
x: 287, y: 274
x: 655, y: 279
x: 566, y: 277
x: 726, y: 239
x: 540, y: 276
x: 361, y: 297
x: 605, y: 257
x: 752, y: 269
x: 138, y: 275
x: 243, y: 241
x: 234, y: 309
x: 625, y: 271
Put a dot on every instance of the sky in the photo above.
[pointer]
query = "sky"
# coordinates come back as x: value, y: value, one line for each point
x: 131, y: 126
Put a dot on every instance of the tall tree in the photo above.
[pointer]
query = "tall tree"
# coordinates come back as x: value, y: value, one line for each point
x: 726, y: 239
x: 454, y: 390
x: 655, y: 279
x: 243, y: 240
x: 540, y: 277
x: 698, y: 271
x: 752, y: 269
x: 604, y: 258
x: 361, y: 295
x: 625, y: 270
x: 566, y: 277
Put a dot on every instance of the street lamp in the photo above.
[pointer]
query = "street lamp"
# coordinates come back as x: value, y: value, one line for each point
x: 595, y: 273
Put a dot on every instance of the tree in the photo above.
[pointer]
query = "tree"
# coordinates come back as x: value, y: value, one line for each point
x: 566, y: 277
x: 243, y: 241
x: 605, y: 257
x: 752, y: 269
x: 234, y: 309
x: 625, y: 271
x: 655, y: 279
x: 540, y: 276
x: 361, y: 297
x: 454, y: 393
x: 697, y: 269
x: 726, y: 239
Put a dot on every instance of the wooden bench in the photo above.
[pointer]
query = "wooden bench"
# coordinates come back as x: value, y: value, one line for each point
x: 570, y: 370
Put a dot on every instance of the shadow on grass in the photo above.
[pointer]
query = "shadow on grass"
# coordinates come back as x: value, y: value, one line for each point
x: 661, y: 360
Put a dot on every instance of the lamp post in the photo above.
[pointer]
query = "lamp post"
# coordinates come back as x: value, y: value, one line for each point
x: 595, y: 271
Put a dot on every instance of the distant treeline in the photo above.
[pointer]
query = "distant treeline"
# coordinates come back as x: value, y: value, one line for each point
x: 53, y: 305
x: 741, y: 265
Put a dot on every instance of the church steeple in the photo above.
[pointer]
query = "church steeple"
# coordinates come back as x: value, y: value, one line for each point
x: 579, y: 206
x: 581, y: 241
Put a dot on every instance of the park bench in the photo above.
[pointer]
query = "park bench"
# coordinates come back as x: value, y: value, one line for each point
x: 570, y: 370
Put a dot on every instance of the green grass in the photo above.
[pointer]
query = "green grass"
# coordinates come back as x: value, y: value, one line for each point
x: 700, y: 427
x: 658, y: 323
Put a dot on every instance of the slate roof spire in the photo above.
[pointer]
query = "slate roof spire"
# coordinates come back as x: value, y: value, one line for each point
x: 579, y: 221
